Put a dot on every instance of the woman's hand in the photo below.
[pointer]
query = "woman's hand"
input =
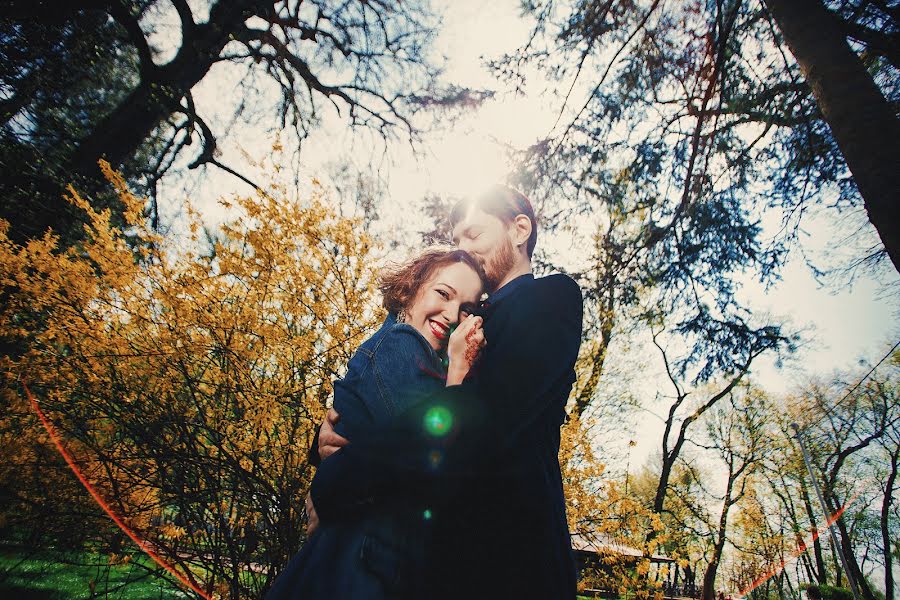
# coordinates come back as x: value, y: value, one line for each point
x: 463, y: 349
x: 329, y: 440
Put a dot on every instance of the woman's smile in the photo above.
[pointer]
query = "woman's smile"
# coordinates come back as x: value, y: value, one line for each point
x: 440, y: 330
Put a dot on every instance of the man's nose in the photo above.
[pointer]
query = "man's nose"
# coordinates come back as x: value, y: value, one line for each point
x: 464, y: 244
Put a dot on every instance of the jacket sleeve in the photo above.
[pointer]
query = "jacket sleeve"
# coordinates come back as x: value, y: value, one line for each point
x: 400, y: 372
x: 404, y: 373
x: 484, y: 419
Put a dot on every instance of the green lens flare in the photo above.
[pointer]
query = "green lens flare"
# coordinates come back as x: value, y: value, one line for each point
x: 438, y: 420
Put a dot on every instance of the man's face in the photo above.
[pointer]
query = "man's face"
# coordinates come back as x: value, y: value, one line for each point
x: 489, y: 241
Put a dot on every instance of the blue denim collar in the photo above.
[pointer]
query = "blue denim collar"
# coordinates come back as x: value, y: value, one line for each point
x: 391, y: 321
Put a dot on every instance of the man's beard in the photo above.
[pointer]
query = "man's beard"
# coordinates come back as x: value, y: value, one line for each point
x: 498, y: 264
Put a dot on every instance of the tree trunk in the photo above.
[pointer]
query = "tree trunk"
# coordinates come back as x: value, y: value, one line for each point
x: 120, y: 134
x: 709, y: 576
x: 821, y: 573
x: 862, y: 122
x: 847, y: 547
x: 885, y: 531
x: 662, y: 486
x: 690, y: 580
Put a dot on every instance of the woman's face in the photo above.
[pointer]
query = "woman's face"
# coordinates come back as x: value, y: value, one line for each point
x: 451, y: 290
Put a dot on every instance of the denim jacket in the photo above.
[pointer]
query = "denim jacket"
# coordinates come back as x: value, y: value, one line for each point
x: 373, y: 552
x: 390, y: 372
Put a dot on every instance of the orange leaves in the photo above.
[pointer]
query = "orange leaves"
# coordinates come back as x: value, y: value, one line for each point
x: 190, y: 375
x: 172, y: 532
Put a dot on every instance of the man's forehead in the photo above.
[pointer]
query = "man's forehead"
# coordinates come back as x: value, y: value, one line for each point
x: 472, y: 217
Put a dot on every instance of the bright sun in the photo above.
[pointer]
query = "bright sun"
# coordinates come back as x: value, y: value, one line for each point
x: 465, y: 163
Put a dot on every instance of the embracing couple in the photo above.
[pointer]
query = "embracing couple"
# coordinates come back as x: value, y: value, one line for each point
x: 439, y: 473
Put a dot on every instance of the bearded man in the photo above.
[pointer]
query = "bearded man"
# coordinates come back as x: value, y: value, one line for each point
x: 489, y: 475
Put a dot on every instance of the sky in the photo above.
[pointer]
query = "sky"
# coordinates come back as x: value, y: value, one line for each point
x: 840, y: 323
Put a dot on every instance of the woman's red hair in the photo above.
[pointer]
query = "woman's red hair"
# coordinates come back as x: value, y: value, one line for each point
x: 400, y: 284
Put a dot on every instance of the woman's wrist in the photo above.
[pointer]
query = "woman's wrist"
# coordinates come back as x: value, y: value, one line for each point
x: 456, y: 372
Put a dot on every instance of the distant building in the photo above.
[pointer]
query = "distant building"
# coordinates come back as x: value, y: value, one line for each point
x: 590, y: 550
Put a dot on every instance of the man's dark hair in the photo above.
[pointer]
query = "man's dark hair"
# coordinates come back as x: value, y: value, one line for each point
x: 503, y: 202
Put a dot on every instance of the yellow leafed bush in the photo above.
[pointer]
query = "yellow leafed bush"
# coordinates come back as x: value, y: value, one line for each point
x: 185, y: 379
x: 613, y: 522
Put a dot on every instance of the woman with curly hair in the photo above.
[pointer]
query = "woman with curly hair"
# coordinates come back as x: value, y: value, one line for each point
x: 374, y: 552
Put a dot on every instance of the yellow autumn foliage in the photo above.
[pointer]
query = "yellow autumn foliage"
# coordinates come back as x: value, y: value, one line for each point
x: 185, y: 378
x: 612, y: 521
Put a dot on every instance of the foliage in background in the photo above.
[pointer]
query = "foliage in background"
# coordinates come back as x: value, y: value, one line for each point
x: 187, y: 381
x: 776, y: 538
x: 601, y: 513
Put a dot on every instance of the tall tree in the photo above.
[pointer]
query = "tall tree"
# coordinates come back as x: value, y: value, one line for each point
x: 890, y: 486
x: 59, y: 77
x: 682, y: 414
x: 369, y: 61
x: 788, y: 484
x: 698, y: 103
x: 848, y: 428
x: 862, y: 120
x: 737, y: 433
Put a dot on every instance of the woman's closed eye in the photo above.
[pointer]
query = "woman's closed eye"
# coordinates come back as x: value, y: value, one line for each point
x: 444, y: 294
